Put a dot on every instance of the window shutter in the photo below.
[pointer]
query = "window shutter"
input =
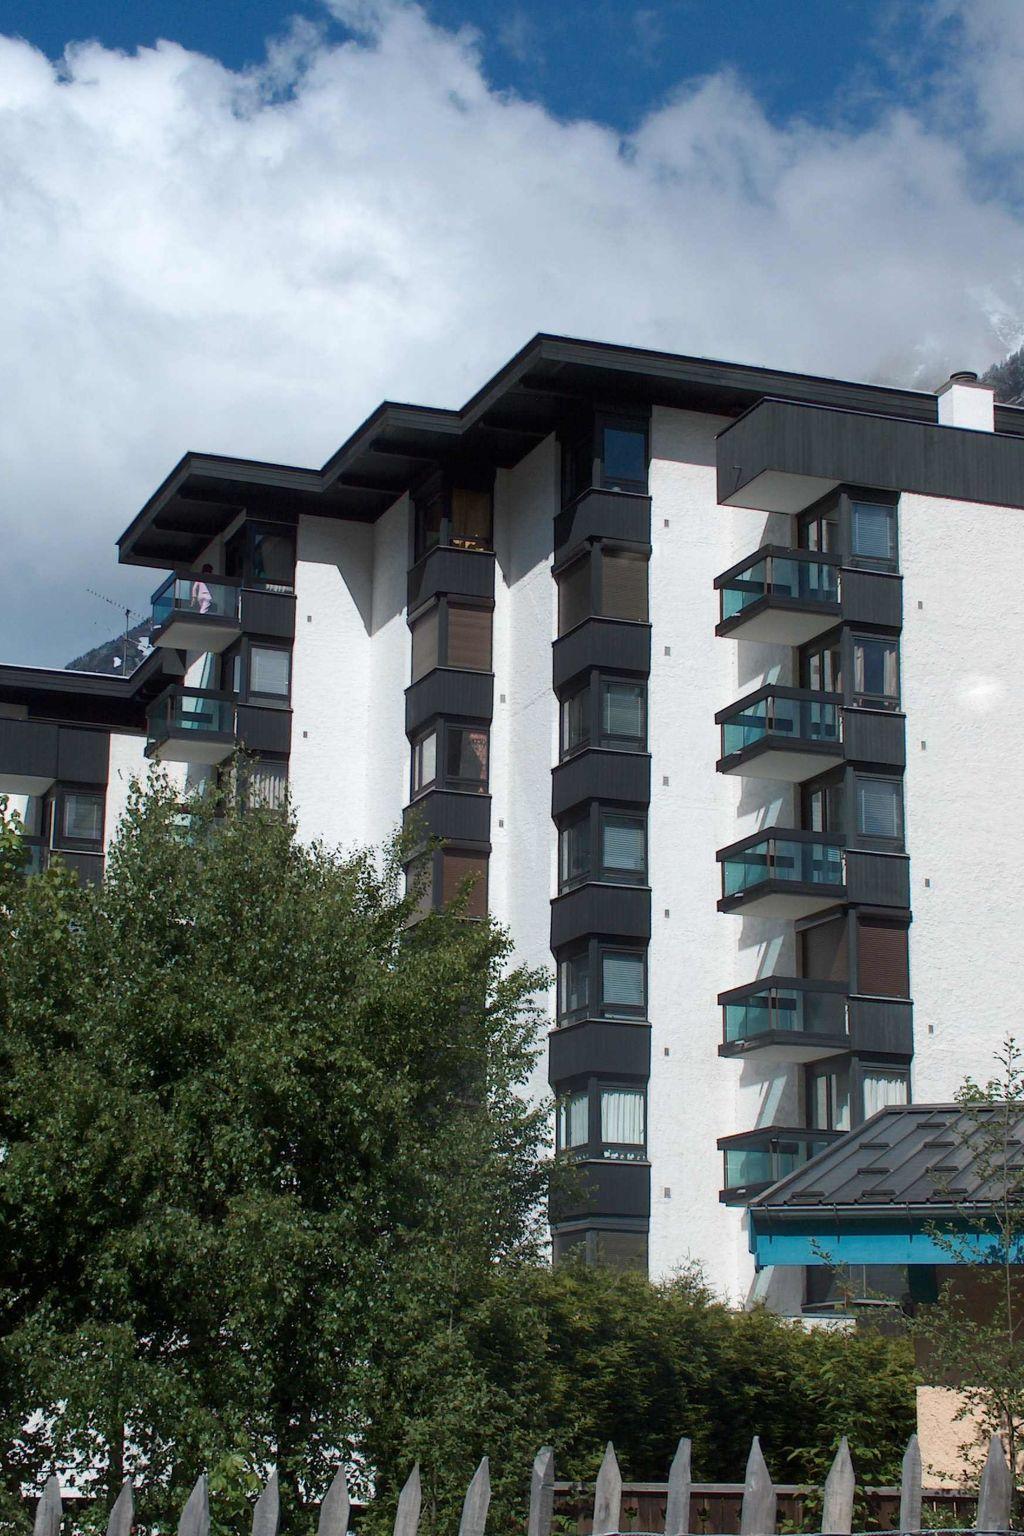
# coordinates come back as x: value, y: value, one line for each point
x: 824, y: 951
x: 622, y: 980
x: 882, y: 964
x: 457, y: 868
x: 574, y: 595
x: 623, y: 586
x: 878, y: 806
x: 623, y: 844
x: 424, y: 644
x: 469, y: 638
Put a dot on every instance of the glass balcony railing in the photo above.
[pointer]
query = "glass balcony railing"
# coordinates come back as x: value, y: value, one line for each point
x: 794, y: 715
x: 195, y: 596
x: 788, y: 575
x: 763, y: 1162
x: 778, y: 1007
x: 816, y: 861
x: 186, y: 711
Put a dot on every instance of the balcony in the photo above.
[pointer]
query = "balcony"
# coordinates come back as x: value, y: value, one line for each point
x: 779, y: 596
x: 195, y: 613
x: 782, y: 874
x: 187, y: 725
x: 755, y: 1160
x: 785, y: 1018
x: 782, y: 733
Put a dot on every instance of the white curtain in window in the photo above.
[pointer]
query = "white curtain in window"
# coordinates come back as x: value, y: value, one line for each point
x: 267, y: 785
x: 573, y: 1128
x: 883, y: 1088
x: 622, y: 1116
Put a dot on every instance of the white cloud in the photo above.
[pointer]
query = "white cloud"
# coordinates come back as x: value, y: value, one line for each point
x: 191, y: 258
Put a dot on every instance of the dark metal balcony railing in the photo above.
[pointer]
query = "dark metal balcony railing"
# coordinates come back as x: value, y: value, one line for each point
x: 194, y: 596
x: 794, y: 715
x: 780, y: 1005
x: 787, y: 575
x: 810, y: 860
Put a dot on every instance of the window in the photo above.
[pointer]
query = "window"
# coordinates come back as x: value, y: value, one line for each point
x: 429, y: 521
x: 574, y: 852
x: 883, y: 965
x: 822, y: 808
x: 573, y: 1121
x: 424, y: 762
x: 824, y: 950
x: 624, y: 848
x: 425, y: 631
x: 882, y: 1086
x: 81, y: 818
x: 574, y: 603
x: 822, y: 670
x: 273, y: 558
x: 266, y: 784
x: 623, y: 585
x: 574, y: 984
x: 623, y: 458
x: 623, y: 708
x: 419, y: 884
x: 471, y: 519
x: 460, y: 517
x: 873, y: 532
x: 875, y: 672
x: 622, y: 1117
x: 459, y: 869
x: 466, y: 757
x: 880, y: 808
x: 829, y: 1098
x: 623, y: 982
x: 819, y: 531
x: 269, y: 671
x: 576, y: 721
x: 469, y: 638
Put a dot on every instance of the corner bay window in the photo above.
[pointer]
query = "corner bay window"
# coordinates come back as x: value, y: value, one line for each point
x: 873, y: 532
x: 269, y: 671
x: 459, y: 517
x: 880, y: 808
x: 605, y: 712
x: 882, y: 1086
x: 622, y: 1118
x: 80, y: 819
x: 459, y: 751
x: 607, y: 453
x: 606, y: 582
x: 446, y: 875
x: 875, y: 672
x: 449, y: 634
x: 623, y: 982
x: 603, y: 981
x: 602, y: 843
x: 573, y: 1121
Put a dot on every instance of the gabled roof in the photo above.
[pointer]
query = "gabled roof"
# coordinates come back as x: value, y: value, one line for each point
x: 923, y: 1157
x: 531, y: 396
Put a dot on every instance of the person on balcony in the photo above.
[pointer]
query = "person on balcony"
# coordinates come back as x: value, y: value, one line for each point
x: 202, y: 597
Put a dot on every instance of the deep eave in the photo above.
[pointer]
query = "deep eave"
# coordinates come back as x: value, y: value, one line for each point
x: 85, y: 698
x: 537, y: 391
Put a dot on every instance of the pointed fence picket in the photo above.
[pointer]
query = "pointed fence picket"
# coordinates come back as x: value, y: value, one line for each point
x: 757, y: 1517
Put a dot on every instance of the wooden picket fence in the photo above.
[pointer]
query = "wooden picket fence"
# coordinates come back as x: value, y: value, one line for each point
x: 757, y: 1513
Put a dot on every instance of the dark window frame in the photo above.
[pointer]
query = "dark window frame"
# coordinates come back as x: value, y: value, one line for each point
x: 252, y: 695
x: 434, y: 892
x: 884, y: 841
x: 438, y: 493
x: 241, y: 554
x: 439, y: 728
x: 52, y: 819
x: 443, y: 605
x: 594, y: 1146
x: 596, y: 551
x: 593, y: 819
x: 889, y: 703
x: 593, y: 951
x: 591, y: 434
x: 837, y: 511
x: 596, y: 680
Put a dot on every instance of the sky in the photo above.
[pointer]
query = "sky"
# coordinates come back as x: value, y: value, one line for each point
x: 235, y: 227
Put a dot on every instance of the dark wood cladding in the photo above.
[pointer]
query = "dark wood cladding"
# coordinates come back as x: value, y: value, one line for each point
x: 605, y: 1189
x: 41, y: 749
x: 599, y: 514
x: 264, y: 730
x: 621, y: 911
x: 267, y: 613
x: 446, y: 691
x: 875, y: 736
x: 599, y: 774
x: 454, y: 815
x: 887, y: 452
x: 613, y: 644
x: 877, y: 879
x: 871, y: 597
x: 882, y: 1024
x: 83, y: 757
x: 456, y: 572
x: 87, y: 866
x: 615, y: 1048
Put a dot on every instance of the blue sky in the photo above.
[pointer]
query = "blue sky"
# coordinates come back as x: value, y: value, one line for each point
x: 240, y: 241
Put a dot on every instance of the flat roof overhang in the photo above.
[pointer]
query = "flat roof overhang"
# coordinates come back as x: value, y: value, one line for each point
x: 85, y: 698
x: 784, y: 455
x: 534, y: 394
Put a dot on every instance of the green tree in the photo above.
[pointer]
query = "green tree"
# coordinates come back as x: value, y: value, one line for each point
x: 262, y: 1148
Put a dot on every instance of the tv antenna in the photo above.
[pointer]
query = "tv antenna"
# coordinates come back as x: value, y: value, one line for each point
x: 129, y: 614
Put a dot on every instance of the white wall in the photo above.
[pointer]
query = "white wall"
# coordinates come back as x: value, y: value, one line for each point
x: 127, y: 761
x: 961, y: 688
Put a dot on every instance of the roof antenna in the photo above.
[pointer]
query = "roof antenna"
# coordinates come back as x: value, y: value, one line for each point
x: 129, y: 614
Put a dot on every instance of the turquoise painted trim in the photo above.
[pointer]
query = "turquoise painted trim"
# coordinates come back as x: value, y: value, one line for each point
x: 889, y: 1243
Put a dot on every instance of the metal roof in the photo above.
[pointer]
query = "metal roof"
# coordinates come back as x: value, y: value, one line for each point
x: 926, y: 1156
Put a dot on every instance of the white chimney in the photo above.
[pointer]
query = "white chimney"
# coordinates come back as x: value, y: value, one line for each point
x: 964, y: 402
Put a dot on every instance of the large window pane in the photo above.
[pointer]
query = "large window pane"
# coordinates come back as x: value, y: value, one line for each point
x: 830, y: 1099
x: 574, y: 595
x: 269, y: 671
x: 574, y: 852
x: 424, y: 643
x: 576, y: 721
x: 83, y: 818
x: 624, y: 458
x: 466, y: 757
x: 429, y: 521
x: 822, y: 670
x: 573, y: 1121
x: 874, y: 531
x: 879, y: 812
x: 875, y: 675
x: 622, y: 712
x: 469, y: 638
x: 623, y: 846
x: 273, y: 559
x: 883, y: 1086
x: 471, y: 519
x: 623, y: 585
x: 622, y: 980
x: 622, y: 1116
x: 574, y: 984
x: 424, y: 763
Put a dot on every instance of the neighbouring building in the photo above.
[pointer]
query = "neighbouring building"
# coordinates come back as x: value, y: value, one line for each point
x: 703, y: 673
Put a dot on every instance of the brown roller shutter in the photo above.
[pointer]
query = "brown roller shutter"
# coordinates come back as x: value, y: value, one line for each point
x: 457, y: 869
x: 574, y: 595
x: 623, y: 586
x: 424, y: 644
x: 823, y: 951
x: 469, y: 638
x: 883, y: 968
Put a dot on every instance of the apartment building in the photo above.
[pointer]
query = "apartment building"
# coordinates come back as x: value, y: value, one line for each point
x: 701, y: 674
